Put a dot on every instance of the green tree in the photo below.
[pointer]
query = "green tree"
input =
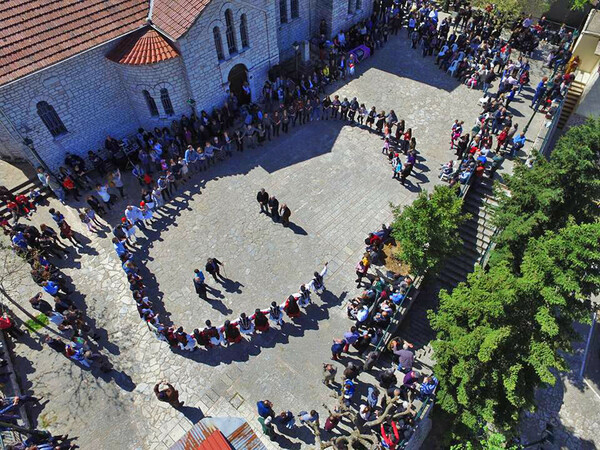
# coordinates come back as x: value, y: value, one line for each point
x: 494, y: 441
x: 547, y: 195
x: 499, y: 336
x: 427, y: 230
x: 580, y: 4
x: 511, y: 9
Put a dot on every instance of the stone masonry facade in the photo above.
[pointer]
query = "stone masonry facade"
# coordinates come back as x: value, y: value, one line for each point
x: 95, y: 97
x: 87, y: 94
x: 153, y: 78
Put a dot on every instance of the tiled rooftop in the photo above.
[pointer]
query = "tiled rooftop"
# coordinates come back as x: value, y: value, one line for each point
x: 38, y: 33
x: 143, y: 47
x: 175, y: 17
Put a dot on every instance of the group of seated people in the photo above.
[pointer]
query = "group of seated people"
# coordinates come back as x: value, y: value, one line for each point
x: 376, y: 306
x: 19, y: 205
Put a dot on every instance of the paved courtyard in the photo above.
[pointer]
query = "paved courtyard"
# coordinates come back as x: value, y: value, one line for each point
x: 338, y: 186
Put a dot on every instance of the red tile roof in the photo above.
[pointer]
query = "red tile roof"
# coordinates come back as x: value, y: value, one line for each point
x: 175, y: 17
x: 38, y: 33
x: 146, y: 46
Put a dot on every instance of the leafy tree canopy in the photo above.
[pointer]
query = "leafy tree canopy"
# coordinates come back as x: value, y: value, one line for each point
x: 499, y: 336
x: 547, y: 195
x: 427, y: 230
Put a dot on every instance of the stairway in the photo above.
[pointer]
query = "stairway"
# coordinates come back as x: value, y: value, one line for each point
x: 476, y: 234
x: 24, y: 188
x: 570, y: 103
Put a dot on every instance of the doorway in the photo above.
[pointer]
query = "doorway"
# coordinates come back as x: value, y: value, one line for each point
x: 238, y: 84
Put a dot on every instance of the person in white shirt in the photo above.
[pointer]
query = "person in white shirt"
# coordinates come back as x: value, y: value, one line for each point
x: 135, y: 216
x: 102, y: 191
x: 316, y: 284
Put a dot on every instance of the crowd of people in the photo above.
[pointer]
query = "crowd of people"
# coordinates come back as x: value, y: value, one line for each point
x: 39, y: 247
x: 470, y: 48
x: 371, y: 311
x: 210, y: 337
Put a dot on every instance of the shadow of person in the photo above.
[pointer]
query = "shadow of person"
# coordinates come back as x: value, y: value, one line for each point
x: 232, y: 286
x: 122, y: 380
x: 214, y: 291
x: 105, y: 343
x: 219, y: 306
x: 420, y: 176
x: 412, y: 187
x: 297, y: 229
x: 283, y: 441
x: 194, y: 415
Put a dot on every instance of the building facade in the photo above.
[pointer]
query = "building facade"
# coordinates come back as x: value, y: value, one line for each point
x: 168, y: 56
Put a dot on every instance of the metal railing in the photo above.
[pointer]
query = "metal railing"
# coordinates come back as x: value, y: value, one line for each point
x: 394, y: 322
x: 545, y: 145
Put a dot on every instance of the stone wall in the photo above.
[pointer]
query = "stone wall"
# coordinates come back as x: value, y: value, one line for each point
x: 86, y: 92
x: 207, y: 75
x: 345, y: 15
x: 295, y: 29
x: 95, y: 97
x: 168, y: 75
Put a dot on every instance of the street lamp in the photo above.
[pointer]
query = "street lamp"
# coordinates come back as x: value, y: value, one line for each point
x: 29, y: 143
x: 296, y: 46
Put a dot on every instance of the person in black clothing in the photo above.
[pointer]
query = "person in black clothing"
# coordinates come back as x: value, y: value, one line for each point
x: 285, y: 215
x: 40, y: 304
x: 95, y: 205
x: 274, y: 205
x: 74, y: 160
x: 55, y: 344
x: 212, y: 267
x: 405, y: 173
x: 62, y: 304
x: 199, y: 285
x: 263, y: 199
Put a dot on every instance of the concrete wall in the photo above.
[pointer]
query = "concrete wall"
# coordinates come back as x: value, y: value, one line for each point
x: 167, y: 74
x: 86, y: 92
x: 589, y: 105
x: 585, y: 48
x: 208, y: 77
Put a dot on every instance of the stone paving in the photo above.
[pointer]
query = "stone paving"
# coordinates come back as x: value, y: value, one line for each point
x: 338, y: 186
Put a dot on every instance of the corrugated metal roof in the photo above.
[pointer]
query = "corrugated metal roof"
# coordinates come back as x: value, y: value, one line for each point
x: 215, y: 441
x: 236, y: 431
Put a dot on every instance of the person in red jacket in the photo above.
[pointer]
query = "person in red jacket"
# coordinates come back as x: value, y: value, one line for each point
x: 8, y: 326
x: 291, y: 307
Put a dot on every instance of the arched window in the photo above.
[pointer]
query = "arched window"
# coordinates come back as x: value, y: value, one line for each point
x: 350, y: 6
x: 230, y: 32
x: 151, y: 103
x: 358, y: 5
x: 218, y: 43
x: 166, y: 102
x: 50, y: 118
x: 295, y: 7
x: 283, y: 11
x: 244, y: 31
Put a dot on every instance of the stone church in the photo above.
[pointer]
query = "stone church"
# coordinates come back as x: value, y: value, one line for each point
x: 74, y: 71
